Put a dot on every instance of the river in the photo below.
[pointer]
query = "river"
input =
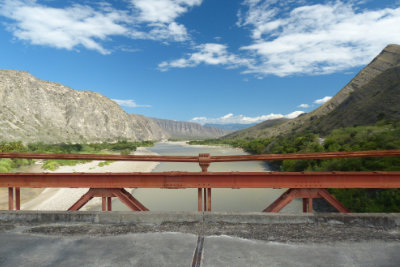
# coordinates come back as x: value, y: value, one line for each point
x: 231, y: 200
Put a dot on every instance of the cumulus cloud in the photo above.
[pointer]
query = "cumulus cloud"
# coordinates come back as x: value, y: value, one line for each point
x: 162, y: 11
x: 160, y: 16
x: 303, y: 106
x: 231, y: 118
x: 290, y: 37
x: 210, y: 54
x: 299, y: 37
x: 322, y: 100
x: 80, y: 25
x: 129, y: 103
x: 63, y: 28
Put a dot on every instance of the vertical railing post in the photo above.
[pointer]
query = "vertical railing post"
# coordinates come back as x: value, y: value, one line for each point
x: 199, y: 199
x: 10, y: 198
x: 109, y: 203
x: 103, y: 203
x: 209, y: 199
x: 17, y: 198
x: 204, y: 162
x: 310, y: 206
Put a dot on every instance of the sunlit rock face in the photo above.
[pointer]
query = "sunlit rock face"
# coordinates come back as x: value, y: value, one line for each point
x: 33, y: 110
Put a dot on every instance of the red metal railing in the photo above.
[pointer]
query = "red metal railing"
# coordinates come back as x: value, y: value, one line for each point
x: 306, y: 185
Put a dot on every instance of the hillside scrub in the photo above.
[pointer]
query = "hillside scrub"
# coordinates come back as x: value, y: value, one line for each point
x: 8, y: 165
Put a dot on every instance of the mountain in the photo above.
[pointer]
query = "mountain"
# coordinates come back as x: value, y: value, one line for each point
x: 378, y: 99
x: 188, y: 130
x: 230, y: 126
x: 372, y: 93
x: 33, y: 110
x: 255, y: 131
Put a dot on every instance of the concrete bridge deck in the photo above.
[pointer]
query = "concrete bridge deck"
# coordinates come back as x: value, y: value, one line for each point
x: 29, y: 238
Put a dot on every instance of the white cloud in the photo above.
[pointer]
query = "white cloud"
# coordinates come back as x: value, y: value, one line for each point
x: 231, y: 118
x: 322, y: 100
x: 303, y: 106
x: 315, y: 39
x: 210, y: 54
x: 129, y: 103
x: 159, y: 31
x: 64, y: 28
x: 162, y: 11
x: 160, y: 16
x: 80, y: 25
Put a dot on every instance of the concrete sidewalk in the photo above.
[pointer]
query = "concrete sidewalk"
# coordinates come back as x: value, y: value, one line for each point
x: 196, y: 239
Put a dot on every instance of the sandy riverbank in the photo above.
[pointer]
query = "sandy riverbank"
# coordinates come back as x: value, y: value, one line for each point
x: 63, y: 198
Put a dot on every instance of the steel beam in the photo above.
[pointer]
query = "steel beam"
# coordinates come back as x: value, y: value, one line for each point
x: 281, y: 202
x: 208, y: 199
x: 201, y: 157
x: 17, y: 198
x: 333, y: 201
x: 307, y: 194
x: 103, y: 203
x: 199, y: 199
x: 109, y: 204
x: 82, y: 201
x: 106, y: 194
x: 10, y: 198
x: 129, y: 200
x: 205, y: 199
x: 204, y: 180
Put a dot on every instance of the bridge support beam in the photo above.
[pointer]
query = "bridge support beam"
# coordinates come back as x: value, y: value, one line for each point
x: 107, y: 194
x: 307, y: 194
x: 207, y: 199
x: 11, y: 191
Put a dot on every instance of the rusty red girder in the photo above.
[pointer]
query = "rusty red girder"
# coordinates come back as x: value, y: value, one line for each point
x: 203, y: 159
x: 307, y: 194
x: 205, y: 180
x: 106, y: 194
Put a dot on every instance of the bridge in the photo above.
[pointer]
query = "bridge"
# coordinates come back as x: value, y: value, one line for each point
x: 305, y: 185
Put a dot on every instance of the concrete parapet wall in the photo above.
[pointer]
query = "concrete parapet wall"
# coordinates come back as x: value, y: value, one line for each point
x: 388, y: 220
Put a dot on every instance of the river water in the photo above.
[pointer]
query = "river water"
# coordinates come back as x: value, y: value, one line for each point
x: 231, y: 200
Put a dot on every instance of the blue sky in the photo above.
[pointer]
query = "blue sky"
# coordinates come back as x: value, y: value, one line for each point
x: 208, y: 61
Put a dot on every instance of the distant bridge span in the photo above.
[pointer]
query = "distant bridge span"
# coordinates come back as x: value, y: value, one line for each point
x: 306, y: 185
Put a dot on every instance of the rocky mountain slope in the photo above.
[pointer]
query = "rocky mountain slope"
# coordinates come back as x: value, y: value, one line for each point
x: 230, y: 126
x: 33, y: 110
x: 190, y: 130
x: 371, y: 92
x: 257, y: 130
x: 378, y: 99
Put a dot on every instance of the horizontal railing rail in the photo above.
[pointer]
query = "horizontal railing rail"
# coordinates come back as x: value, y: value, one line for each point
x: 204, y: 180
x: 158, y: 158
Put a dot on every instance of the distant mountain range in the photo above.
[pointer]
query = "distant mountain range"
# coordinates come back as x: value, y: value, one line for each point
x: 32, y: 110
x: 230, y: 126
x: 373, y: 94
x: 188, y: 130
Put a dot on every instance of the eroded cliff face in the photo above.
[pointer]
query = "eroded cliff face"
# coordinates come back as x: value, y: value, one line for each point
x: 388, y: 58
x: 181, y: 129
x: 33, y: 110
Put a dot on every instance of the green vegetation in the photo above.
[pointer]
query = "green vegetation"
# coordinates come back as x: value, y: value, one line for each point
x: 105, y: 163
x: 8, y: 165
x: 383, y: 135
